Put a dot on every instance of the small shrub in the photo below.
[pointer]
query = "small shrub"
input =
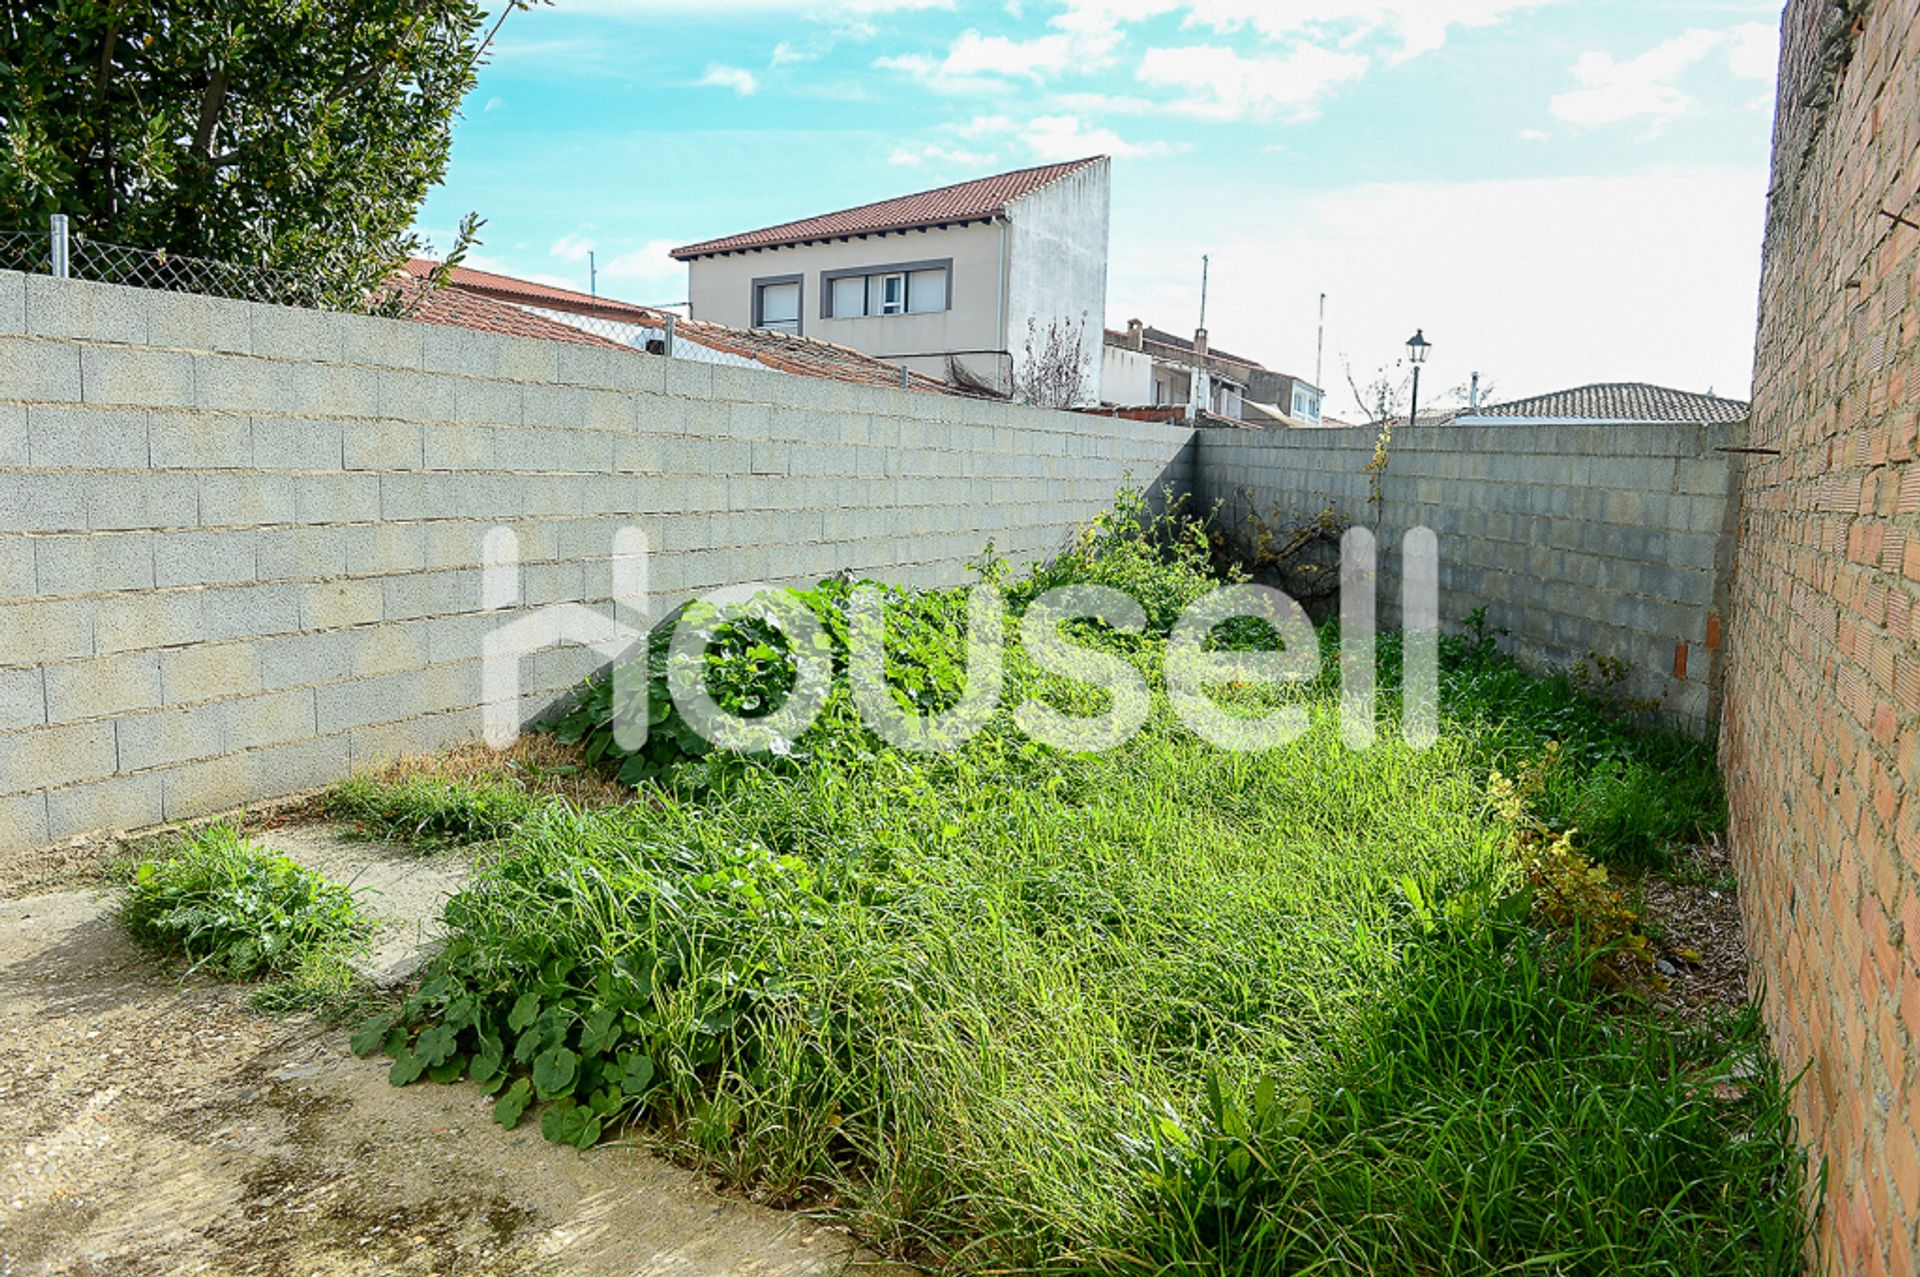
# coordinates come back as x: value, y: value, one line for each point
x: 1567, y: 891
x: 225, y: 904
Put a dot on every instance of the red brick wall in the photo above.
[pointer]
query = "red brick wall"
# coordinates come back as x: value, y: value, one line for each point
x: 1823, y: 693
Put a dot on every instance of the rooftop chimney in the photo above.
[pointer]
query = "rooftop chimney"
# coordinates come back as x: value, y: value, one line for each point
x: 1136, y: 335
x: 1200, y: 342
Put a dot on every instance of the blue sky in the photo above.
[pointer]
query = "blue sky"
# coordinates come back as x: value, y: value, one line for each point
x: 1556, y: 191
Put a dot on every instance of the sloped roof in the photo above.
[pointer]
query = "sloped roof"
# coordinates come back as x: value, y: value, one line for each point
x: 981, y: 198
x: 474, y: 299
x: 1161, y: 337
x: 506, y: 288
x: 457, y: 309
x: 1622, y: 401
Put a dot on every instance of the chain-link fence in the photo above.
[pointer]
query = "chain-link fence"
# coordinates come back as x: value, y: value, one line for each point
x: 50, y: 252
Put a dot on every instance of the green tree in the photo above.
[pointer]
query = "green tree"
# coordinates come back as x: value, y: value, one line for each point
x: 295, y: 134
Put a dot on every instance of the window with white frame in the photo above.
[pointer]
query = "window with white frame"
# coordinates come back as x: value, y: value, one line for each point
x: 1306, y: 404
x: 916, y: 288
x: 776, y: 304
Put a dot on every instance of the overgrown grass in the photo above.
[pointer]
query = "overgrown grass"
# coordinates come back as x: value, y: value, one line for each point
x: 232, y: 908
x: 470, y: 795
x: 1636, y: 790
x: 1160, y: 1009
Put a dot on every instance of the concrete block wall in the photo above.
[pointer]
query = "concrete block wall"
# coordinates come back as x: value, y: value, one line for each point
x: 241, y: 546
x: 1823, y: 685
x: 1584, y: 538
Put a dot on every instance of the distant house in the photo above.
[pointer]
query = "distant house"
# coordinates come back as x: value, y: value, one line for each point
x: 1149, y: 366
x: 975, y: 282
x: 1621, y: 403
x: 491, y: 302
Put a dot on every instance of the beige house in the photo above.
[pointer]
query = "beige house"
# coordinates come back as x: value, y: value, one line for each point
x: 1000, y: 281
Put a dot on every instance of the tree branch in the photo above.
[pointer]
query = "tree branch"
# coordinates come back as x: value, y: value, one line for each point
x: 210, y: 103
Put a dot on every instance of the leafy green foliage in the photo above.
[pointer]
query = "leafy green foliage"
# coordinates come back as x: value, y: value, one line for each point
x: 749, y: 672
x: 1161, y: 557
x: 227, y: 905
x: 296, y: 135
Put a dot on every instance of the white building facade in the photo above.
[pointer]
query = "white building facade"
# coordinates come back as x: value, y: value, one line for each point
x: 1000, y: 281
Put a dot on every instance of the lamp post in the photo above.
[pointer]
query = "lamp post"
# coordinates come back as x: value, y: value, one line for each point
x: 1417, y: 348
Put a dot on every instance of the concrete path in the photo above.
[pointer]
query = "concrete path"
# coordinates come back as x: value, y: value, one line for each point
x: 149, y: 1127
x: 400, y: 888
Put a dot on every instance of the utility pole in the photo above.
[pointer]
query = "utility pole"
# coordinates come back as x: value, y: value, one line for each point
x: 593, y: 276
x: 1205, y: 264
x: 1320, y: 350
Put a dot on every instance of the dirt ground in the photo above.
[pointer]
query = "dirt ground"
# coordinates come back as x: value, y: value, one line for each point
x: 149, y: 1126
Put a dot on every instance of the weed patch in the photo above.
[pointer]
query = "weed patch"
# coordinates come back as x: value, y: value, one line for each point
x: 230, y: 907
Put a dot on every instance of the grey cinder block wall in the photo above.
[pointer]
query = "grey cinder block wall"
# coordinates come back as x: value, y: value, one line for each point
x: 1609, y: 539
x: 241, y: 546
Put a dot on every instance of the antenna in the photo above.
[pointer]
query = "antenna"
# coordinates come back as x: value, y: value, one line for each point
x: 1320, y: 351
x: 593, y: 276
x: 1205, y: 265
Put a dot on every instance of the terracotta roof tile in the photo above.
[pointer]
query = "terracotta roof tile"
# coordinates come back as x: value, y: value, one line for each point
x: 526, y: 292
x: 963, y: 202
x: 457, y: 309
x: 478, y: 299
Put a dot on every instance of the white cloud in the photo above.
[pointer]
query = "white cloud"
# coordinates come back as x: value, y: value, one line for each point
x: 1648, y: 86
x: 721, y: 76
x: 976, y: 62
x: 1048, y: 138
x: 1415, y: 26
x: 1755, y: 51
x: 793, y: 8
x: 1539, y: 284
x: 1068, y: 137
x: 1222, y: 84
x: 1611, y: 91
x: 493, y: 104
x: 646, y: 274
x: 942, y: 156
x: 785, y: 54
x: 571, y: 247
x: 1534, y: 135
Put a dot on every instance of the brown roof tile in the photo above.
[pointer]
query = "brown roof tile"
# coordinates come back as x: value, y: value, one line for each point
x: 963, y: 202
x: 498, y: 303
x: 458, y: 309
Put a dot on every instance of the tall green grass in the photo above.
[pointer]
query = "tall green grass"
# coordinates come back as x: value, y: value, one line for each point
x: 1162, y: 1009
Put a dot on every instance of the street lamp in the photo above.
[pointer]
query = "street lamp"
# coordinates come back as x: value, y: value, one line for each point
x: 1417, y: 348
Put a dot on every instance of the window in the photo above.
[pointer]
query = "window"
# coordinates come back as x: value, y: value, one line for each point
x: 927, y: 291
x: 1306, y: 405
x: 909, y: 288
x: 847, y: 297
x: 776, y: 304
